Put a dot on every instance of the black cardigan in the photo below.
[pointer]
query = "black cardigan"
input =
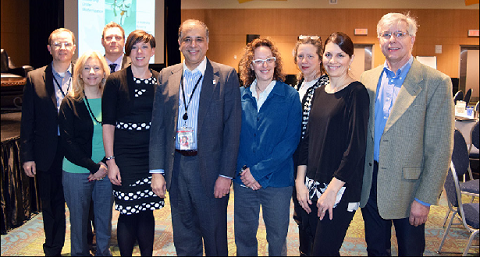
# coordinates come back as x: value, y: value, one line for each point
x: 76, y: 132
x: 118, y: 95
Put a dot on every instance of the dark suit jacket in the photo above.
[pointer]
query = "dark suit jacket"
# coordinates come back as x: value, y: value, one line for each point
x: 76, y: 131
x: 39, y: 124
x: 219, y: 123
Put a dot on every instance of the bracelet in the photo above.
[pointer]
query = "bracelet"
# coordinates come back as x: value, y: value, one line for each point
x: 110, y: 157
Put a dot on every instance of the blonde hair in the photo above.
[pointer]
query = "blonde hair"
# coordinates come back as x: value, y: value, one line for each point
x: 78, y: 86
x: 113, y: 25
x: 59, y: 31
x: 315, y: 41
x: 390, y: 19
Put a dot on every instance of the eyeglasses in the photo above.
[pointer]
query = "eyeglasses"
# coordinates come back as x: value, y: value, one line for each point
x: 397, y: 34
x: 67, y: 45
x: 302, y: 37
x: 269, y: 60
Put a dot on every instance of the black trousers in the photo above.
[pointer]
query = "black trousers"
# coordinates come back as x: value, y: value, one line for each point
x: 306, y: 227
x: 410, y: 239
x: 329, y: 234
x: 53, y: 206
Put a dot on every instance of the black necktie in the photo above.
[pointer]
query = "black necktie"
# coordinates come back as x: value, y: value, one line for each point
x: 112, y: 67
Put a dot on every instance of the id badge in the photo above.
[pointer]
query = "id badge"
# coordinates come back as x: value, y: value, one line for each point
x: 185, y: 138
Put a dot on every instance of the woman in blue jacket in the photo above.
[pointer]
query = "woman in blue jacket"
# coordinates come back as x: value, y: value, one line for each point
x: 271, y: 112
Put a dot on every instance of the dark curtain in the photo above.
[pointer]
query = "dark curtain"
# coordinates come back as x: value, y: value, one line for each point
x: 172, y: 23
x: 19, y: 198
x: 45, y: 17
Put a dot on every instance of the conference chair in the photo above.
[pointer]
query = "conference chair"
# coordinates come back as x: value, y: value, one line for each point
x: 471, y: 187
x: 467, y: 213
x: 467, y: 96
x: 462, y: 165
x: 458, y: 96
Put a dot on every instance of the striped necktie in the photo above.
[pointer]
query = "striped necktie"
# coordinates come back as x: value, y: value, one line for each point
x: 112, y: 67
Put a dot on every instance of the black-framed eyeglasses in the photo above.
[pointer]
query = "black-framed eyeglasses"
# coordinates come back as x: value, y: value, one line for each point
x: 303, y: 37
x: 269, y: 60
x: 397, y: 34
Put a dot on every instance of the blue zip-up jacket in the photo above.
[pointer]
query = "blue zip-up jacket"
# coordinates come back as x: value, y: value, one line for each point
x: 270, y: 136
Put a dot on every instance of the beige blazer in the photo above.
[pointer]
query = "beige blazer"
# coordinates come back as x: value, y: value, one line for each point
x: 416, y: 145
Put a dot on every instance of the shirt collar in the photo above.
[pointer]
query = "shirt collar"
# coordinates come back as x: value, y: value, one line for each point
x: 69, y: 71
x: 401, y: 72
x: 201, y: 67
x: 118, y: 62
x: 265, y: 92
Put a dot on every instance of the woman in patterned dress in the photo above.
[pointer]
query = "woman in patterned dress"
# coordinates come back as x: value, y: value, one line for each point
x: 127, y: 109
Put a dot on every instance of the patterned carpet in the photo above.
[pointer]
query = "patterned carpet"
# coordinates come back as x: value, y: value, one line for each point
x: 27, y: 240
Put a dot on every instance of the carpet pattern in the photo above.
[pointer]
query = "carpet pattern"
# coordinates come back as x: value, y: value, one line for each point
x: 27, y: 239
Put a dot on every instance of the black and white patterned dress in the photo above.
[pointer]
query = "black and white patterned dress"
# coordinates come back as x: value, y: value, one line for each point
x: 132, y: 135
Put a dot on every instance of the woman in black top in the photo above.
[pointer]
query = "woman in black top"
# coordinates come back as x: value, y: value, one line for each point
x: 308, y: 54
x: 330, y: 171
x: 127, y: 111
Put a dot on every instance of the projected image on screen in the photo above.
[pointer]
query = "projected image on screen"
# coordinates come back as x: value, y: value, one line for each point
x: 93, y: 15
x: 121, y: 12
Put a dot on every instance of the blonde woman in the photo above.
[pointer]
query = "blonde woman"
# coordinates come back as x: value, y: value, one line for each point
x: 84, y: 168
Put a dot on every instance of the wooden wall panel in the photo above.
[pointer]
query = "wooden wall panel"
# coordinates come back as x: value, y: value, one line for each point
x: 228, y: 29
x: 15, y: 31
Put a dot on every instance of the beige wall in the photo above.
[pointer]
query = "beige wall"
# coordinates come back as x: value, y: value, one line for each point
x: 228, y: 29
x: 15, y: 31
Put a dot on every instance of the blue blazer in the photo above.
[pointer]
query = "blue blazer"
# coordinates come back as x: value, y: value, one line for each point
x: 270, y: 136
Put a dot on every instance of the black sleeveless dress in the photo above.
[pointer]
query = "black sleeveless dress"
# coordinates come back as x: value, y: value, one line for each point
x: 132, y: 136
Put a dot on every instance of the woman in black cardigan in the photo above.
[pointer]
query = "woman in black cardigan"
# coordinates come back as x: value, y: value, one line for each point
x: 84, y: 168
x: 127, y: 111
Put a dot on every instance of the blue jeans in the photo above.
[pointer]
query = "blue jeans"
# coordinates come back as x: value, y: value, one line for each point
x: 78, y: 194
x: 275, y: 204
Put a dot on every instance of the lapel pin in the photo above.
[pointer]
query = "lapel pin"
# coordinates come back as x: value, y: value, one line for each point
x: 214, y: 82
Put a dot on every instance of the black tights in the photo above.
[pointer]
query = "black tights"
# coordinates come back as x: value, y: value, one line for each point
x: 140, y: 227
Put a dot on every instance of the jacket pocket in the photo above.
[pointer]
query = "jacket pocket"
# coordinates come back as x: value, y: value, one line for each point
x: 411, y: 173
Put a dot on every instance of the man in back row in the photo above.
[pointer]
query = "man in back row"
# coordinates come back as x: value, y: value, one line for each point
x: 113, y: 40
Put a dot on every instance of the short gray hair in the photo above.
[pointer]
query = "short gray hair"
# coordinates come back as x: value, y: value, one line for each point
x: 390, y: 19
x: 197, y: 22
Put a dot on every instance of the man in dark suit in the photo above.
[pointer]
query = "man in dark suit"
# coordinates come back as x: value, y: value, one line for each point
x: 40, y: 150
x: 198, y: 99
x: 113, y: 40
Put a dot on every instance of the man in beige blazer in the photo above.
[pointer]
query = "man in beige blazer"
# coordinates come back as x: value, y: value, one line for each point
x: 409, y: 141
